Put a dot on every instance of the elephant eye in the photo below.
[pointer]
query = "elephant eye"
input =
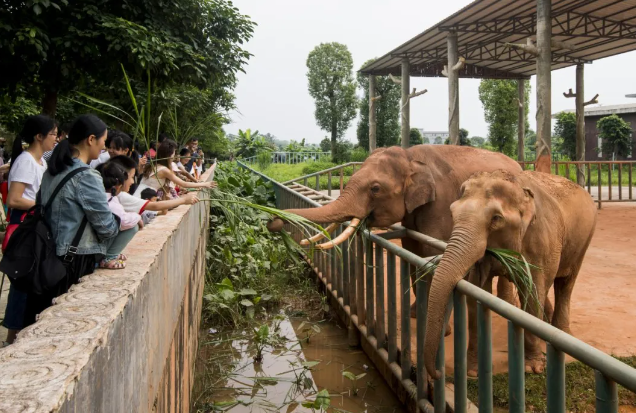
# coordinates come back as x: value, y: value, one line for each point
x: 375, y: 189
x: 497, y: 219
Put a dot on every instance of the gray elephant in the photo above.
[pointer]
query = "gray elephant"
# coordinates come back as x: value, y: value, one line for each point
x: 547, y: 218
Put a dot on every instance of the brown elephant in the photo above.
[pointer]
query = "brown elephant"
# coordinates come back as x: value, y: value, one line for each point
x: 414, y: 186
x: 547, y: 218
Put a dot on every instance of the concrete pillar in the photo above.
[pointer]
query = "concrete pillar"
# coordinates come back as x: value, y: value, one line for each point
x: 580, y: 124
x: 406, y: 107
x: 453, y: 88
x: 544, y: 86
x: 372, y: 122
x: 521, y: 119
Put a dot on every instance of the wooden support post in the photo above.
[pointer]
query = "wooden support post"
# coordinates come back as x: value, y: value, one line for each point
x: 406, y: 107
x: 372, y: 121
x: 453, y: 88
x: 580, y: 125
x: 521, y: 119
x: 544, y: 86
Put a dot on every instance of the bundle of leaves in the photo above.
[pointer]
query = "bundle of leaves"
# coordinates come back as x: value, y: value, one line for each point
x: 249, y: 269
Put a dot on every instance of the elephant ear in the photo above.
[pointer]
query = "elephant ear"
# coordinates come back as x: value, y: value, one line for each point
x: 419, y: 188
x: 529, y: 211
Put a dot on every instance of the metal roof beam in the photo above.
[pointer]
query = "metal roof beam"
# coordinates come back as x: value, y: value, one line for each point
x: 567, y: 23
x: 496, y: 51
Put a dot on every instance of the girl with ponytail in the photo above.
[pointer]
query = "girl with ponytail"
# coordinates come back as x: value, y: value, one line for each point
x: 25, y: 177
x: 80, y: 208
x: 115, y: 179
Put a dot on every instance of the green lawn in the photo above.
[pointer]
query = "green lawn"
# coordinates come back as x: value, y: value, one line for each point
x: 579, y: 388
x: 285, y: 172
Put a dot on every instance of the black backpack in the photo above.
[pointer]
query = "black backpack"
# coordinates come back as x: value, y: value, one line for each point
x: 30, y: 260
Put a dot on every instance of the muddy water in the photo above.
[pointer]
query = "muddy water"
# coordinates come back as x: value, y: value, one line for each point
x: 292, y: 372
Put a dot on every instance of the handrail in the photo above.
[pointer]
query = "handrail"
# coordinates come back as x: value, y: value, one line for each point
x: 324, y: 171
x: 340, y: 274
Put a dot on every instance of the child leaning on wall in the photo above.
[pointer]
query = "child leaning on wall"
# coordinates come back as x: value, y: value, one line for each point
x: 134, y: 204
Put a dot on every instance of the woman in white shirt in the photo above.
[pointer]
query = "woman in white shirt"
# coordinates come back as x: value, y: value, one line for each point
x: 25, y: 176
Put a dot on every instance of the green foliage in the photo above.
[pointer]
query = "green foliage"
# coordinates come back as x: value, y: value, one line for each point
x: 353, y: 378
x: 14, y: 113
x: 325, y: 144
x: 415, y: 137
x: 477, y: 141
x: 342, y: 152
x: 387, y: 110
x: 56, y: 46
x: 359, y: 154
x: 255, y: 262
x: 312, y: 167
x: 333, y: 88
x: 251, y: 143
x: 264, y: 160
x: 426, y: 140
x: 463, y: 138
x: 438, y: 140
x: 616, y: 135
x: 320, y: 403
x: 499, y: 98
x: 565, y: 129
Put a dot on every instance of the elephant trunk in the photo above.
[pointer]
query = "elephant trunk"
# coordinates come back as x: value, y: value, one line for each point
x: 465, y: 247
x: 340, y: 210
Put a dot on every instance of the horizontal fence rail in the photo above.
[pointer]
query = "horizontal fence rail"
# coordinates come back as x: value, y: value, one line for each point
x: 605, y: 181
x: 355, y: 277
x: 317, y: 179
x: 291, y: 157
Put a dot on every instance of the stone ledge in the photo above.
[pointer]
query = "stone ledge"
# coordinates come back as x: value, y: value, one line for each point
x: 105, y: 345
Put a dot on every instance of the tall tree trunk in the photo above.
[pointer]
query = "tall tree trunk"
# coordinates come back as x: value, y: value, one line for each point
x: 49, y: 102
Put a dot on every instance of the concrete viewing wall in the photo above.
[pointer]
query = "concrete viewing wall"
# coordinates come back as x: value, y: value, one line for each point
x: 119, y: 341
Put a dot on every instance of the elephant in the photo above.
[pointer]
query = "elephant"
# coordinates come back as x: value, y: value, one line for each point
x: 548, y: 219
x: 414, y: 186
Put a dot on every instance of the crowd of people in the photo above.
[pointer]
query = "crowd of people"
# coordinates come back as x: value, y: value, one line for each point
x: 97, y: 210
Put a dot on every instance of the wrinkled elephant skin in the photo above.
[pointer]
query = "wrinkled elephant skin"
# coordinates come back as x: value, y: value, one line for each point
x: 547, y: 218
x: 414, y: 186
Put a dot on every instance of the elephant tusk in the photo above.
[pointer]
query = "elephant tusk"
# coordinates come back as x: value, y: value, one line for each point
x: 342, y: 237
x: 331, y: 228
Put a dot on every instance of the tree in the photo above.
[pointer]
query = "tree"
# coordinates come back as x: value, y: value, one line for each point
x: 616, y: 135
x: 565, y: 128
x: 499, y: 98
x: 387, y: 111
x: 51, y: 47
x: 332, y: 86
x: 438, y: 140
x: 415, y: 137
x: 251, y: 143
x: 325, y: 145
x: 463, y: 138
x: 426, y: 140
x: 477, y: 141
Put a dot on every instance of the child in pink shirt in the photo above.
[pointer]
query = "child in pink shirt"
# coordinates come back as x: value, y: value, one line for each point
x: 114, y: 177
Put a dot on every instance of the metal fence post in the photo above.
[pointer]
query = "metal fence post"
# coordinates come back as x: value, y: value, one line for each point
x: 460, y: 346
x: 484, y: 351
x: 516, y: 369
x: 391, y: 300
x: 360, y: 279
x: 380, y: 328
x: 606, y: 394
x: 556, y: 380
x: 370, y: 311
x: 421, y: 301
x: 405, y: 334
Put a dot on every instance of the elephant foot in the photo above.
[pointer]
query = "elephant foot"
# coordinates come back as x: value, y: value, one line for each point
x: 535, y: 364
x: 472, y: 365
x: 413, y: 311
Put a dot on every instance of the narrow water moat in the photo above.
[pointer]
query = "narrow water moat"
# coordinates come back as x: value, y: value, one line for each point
x: 305, y: 367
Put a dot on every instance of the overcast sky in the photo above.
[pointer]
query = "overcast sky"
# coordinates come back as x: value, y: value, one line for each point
x: 272, y: 96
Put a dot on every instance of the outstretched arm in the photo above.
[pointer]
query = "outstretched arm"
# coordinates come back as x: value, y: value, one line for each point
x: 170, y: 175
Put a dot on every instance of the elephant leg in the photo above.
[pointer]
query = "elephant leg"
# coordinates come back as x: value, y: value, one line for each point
x: 535, y: 360
x: 505, y: 290
x: 563, y: 288
x: 548, y: 311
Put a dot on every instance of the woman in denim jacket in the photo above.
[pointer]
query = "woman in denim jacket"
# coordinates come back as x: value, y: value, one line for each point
x: 82, y: 196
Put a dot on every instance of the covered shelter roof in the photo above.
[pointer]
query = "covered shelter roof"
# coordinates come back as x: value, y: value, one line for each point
x: 594, y: 28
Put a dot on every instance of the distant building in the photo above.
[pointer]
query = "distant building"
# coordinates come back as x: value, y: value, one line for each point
x: 431, y: 135
x: 593, y: 144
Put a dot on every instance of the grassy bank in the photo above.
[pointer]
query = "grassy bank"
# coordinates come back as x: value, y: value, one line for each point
x: 579, y: 389
x: 285, y: 172
x: 250, y: 271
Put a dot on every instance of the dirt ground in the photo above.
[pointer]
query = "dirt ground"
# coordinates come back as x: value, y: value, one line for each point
x: 603, y: 312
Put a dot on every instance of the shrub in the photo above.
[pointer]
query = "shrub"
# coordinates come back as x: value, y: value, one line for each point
x: 342, y: 153
x: 312, y: 167
x: 264, y: 159
x: 359, y: 155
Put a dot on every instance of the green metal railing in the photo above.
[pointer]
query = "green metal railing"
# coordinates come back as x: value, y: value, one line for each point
x: 292, y: 157
x: 337, y: 171
x: 355, y: 282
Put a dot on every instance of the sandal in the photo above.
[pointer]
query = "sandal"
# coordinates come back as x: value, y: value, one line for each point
x: 112, y: 264
x: 121, y: 257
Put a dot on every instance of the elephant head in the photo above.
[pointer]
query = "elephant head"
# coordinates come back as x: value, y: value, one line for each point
x: 493, y: 211
x: 388, y: 185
